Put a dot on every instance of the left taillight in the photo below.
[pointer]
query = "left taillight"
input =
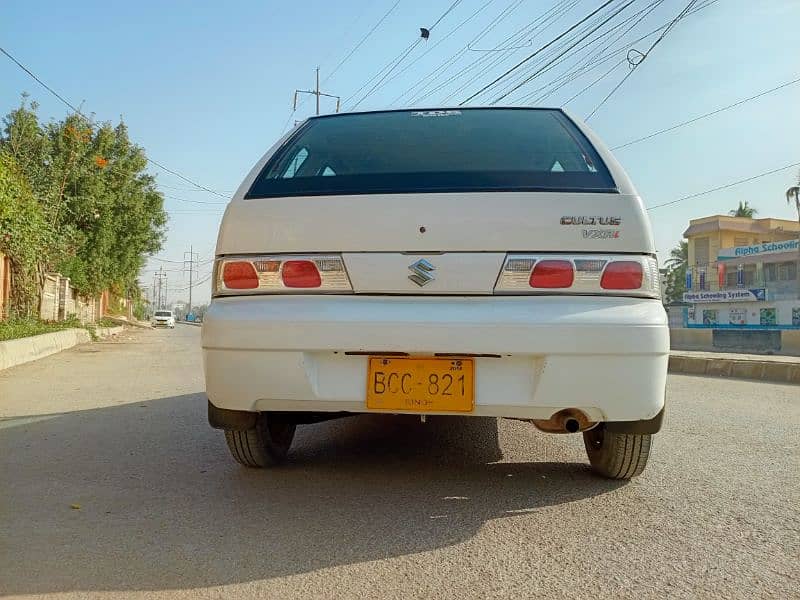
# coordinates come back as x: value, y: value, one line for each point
x: 275, y: 274
x: 239, y: 275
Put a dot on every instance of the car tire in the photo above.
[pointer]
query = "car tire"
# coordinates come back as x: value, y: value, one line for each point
x: 616, y: 455
x: 265, y: 445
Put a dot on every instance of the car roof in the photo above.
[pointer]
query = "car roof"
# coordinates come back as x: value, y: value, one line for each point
x: 429, y: 109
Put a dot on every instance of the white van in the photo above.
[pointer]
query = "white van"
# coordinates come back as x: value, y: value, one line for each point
x: 472, y: 261
x: 163, y: 318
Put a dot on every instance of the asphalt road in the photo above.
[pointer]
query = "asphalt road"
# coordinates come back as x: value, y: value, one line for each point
x: 112, y: 484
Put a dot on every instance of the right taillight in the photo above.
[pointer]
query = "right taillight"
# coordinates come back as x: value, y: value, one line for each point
x: 622, y: 275
x: 275, y: 274
x: 301, y: 274
x: 580, y: 274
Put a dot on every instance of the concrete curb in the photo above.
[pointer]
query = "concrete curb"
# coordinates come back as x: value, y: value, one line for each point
x: 763, y: 370
x: 27, y: 349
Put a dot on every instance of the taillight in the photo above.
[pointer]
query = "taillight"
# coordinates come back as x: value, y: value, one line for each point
x: 622, y: 275
x: 301, y: 274
x: 608, y: 275
x: 239, y: 275
x: 552, y: 274
x: 274, y: 274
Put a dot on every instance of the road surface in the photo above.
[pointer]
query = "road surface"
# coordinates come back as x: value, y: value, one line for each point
x: 112, y: 484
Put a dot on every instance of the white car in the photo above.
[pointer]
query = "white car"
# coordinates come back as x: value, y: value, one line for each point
x: 473, y: 261
x: 163, y: 318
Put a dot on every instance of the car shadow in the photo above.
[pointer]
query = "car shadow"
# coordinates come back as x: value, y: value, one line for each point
x: 145, y: 497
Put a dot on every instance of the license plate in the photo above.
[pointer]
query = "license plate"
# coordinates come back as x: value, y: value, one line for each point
x: 421, y: 384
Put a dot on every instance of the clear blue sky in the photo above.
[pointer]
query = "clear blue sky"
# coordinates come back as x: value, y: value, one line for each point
x: 206, y: 88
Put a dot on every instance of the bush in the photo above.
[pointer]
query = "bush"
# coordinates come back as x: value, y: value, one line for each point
x: 16, y: 328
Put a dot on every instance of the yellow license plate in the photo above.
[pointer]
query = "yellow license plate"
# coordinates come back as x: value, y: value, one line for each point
x: 421, y: 384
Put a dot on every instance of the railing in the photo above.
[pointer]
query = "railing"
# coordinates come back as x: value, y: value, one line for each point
x: 707, y: 278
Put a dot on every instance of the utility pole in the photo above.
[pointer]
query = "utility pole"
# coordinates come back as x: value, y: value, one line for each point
x: 161, y: 280
x: 317, y: 93
x: 192, y: 261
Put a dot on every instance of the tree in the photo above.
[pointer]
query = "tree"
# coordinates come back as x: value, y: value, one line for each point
x: 90, y: 183
x: 26, y: 237
x: 743, y: 210
x: 677, y: 264
x: 793, y: 194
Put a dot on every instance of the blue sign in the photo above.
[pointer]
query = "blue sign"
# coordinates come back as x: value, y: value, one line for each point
x: 190, y: 317
x: 737, y: 295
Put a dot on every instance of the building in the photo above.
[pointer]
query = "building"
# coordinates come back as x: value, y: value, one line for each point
x: 743, y: 273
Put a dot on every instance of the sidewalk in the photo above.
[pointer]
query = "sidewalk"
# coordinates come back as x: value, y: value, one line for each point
x: 777, y: 369
x: 22, y: 350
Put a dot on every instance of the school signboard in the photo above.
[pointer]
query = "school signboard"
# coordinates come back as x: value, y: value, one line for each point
x: 736, y: 295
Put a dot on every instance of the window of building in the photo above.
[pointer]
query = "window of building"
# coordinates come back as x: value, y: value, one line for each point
x: 784, y: 271
x: 701, y: 251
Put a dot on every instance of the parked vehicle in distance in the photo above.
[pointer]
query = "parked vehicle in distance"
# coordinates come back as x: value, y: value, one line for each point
x: 163, y: 318
x: 471, y: 261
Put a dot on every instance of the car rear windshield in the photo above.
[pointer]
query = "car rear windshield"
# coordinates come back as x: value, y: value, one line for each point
x: 434, y: 151
x: 163, y: 313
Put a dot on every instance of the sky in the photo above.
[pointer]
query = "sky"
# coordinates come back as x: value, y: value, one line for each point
x: 206, y: 88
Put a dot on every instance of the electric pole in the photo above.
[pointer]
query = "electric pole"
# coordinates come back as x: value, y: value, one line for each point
x: 317, y: 93
x: 192, y: 261
x: 161, y: 280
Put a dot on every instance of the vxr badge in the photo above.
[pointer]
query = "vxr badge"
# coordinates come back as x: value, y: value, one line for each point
x: 421, y: 272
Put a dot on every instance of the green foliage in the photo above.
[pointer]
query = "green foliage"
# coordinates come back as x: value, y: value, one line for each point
x: 676, y: 266
x: 743, y: 210
x: 17, y: 327
x: 25, y: 236
x: 90, y: 183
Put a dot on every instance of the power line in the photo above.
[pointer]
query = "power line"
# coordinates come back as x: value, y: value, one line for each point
x: 600, y: 59
x: 644, y: 56
x: 552, y: 61
x: 590, y: 63
x: 537, y: 52
x: 447, y: 12
x: 724, y: 187
x: 480, y: 9
x: 435, y: 74
x: 708, y: 114
x: 563, y: 54
x: 389, y: 72
x: 78, y: 112
x: 361, y: 41
x: 424, y: 35
x: 193, y: 201
x: 490, y: 60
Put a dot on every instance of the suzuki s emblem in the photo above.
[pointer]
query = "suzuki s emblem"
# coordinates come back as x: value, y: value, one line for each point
x: 421, y: 272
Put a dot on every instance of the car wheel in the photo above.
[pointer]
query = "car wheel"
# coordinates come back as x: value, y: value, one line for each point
x: 264, y: 445
x: 616, y: 455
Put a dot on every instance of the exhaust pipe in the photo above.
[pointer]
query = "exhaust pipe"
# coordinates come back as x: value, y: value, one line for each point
x: 568, y: 420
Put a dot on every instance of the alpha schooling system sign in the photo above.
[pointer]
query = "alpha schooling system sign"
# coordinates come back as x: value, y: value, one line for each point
x: 759, y: 249
x: 738, y: 295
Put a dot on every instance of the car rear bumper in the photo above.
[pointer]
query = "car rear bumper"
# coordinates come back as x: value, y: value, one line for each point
x: 534, y: 355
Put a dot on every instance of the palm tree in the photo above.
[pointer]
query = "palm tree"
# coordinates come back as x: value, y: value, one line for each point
x: 793, y: 193
x: 678, y: 256
x: 677, y: 264
x: 743, y: 210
